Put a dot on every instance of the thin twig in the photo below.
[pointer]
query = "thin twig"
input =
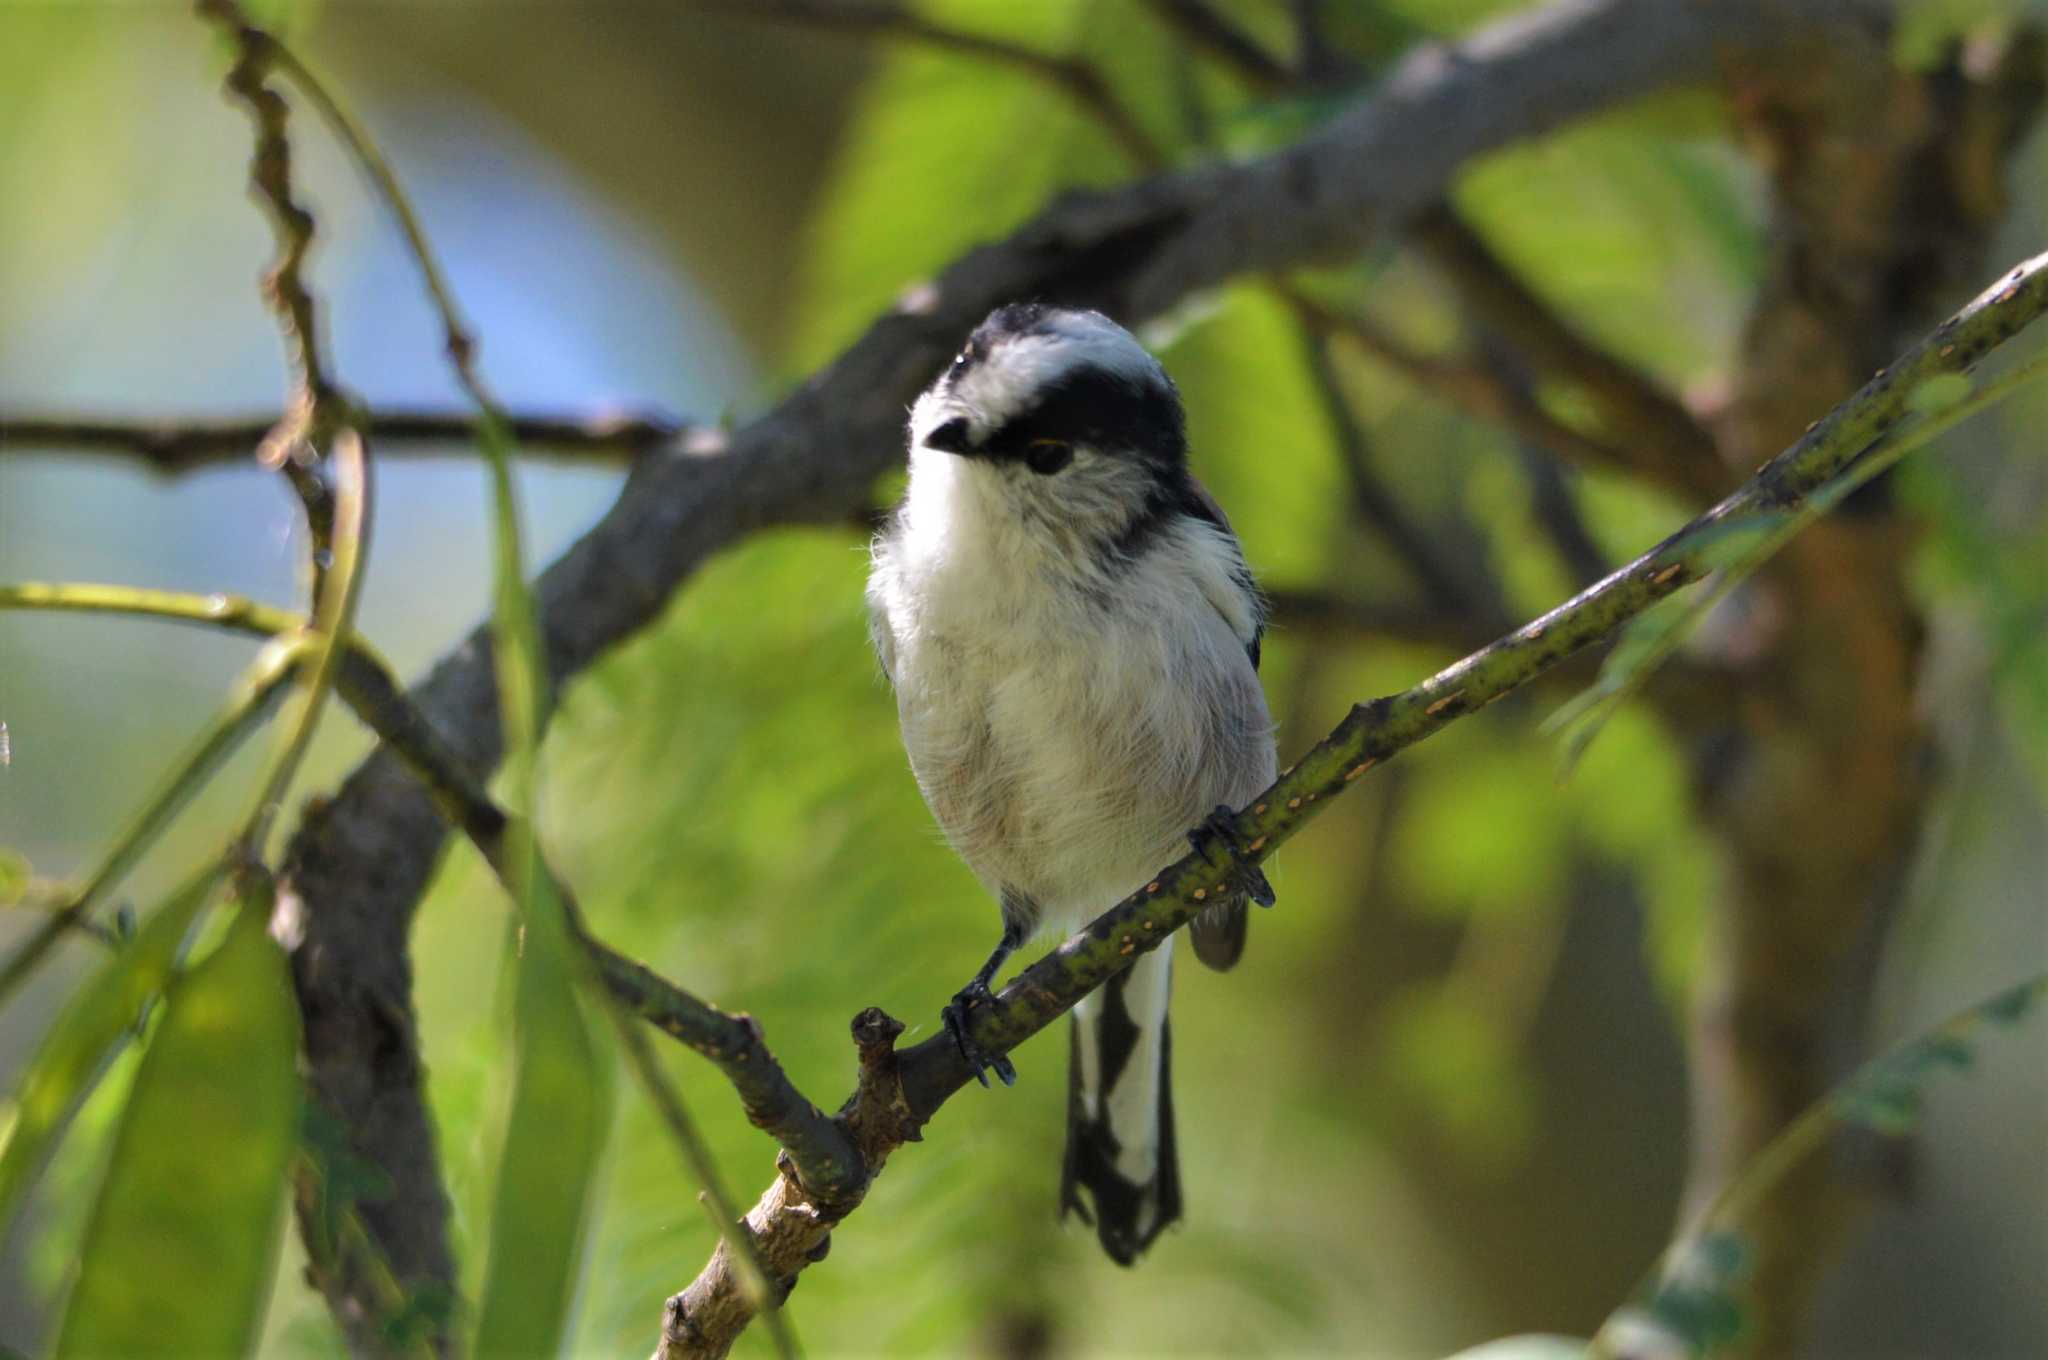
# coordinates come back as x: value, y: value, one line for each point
x: 1201, y: 26
x: 1449, y: 589
x: 172, y: 447
x: 1472, y: 388
x: 318, y: 416
x: 1077, y: 79
x: 1657, y: 438
x: 1550, y: 494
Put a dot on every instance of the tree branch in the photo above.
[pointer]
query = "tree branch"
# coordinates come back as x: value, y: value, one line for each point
x: 361, y: 860
x: 174, y: 447
x: 1657, y: 439
x: 1077, y: 79
x: 1445, y: 580
x: 1472, y: 388
x: 1201, y: 26
x: 908, y: 1088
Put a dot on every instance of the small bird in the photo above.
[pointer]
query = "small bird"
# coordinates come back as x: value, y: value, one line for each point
x: 1073, y: 637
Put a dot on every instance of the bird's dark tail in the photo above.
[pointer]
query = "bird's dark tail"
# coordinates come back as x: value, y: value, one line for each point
x: 1120, y: 1140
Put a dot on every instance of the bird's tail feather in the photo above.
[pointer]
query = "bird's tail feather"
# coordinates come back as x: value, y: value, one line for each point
x: 1120, y: 1138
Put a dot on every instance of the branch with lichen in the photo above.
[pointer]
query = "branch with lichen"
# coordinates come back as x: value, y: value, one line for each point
x: 899, y: 1092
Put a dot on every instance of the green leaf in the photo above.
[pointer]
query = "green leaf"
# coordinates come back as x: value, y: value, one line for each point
x: 1625, y: 220
x: 1887, y: 1094
x: 560, y: 1107
x: 78, y: 1046
x: 14, y: 876
x: 182, y: 1244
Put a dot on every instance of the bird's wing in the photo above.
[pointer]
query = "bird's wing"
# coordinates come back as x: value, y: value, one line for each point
x: 1203, y: 506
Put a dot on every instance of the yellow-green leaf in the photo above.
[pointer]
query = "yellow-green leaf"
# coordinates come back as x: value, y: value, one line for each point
x: 560, y: 1108
x: 182, y: 1244
x: 75, y: 1051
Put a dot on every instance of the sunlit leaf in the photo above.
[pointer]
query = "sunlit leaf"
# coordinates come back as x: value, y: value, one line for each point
x: 14, y: 876
x: 74, y: 1054
x: 560, y: 1108
x: 183, y: 1240
x: 1626, y: 220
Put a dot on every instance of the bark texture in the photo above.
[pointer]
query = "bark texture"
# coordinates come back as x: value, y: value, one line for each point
x: 1888, y: 185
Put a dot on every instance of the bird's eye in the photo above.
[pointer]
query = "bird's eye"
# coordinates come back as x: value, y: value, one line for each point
x: 1047, y: 456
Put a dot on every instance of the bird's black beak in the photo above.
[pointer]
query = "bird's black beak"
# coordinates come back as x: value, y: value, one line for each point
x: 952, y: 437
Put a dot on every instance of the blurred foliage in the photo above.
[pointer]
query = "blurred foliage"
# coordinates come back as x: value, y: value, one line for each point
x: 1375, y: 1105
x: 1695, y: 1305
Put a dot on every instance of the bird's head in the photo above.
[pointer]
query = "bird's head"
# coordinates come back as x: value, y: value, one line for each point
x: 1060, y: 413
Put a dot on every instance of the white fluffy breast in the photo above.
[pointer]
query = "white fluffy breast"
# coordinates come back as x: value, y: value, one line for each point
x: 1068, y: 717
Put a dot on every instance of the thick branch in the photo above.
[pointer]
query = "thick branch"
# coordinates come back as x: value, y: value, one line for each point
x: 705, y: 1318
x: 173, y: 447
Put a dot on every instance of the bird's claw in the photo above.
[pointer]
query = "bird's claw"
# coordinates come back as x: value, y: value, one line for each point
x: 974, y: 994
x: 1247, y: 877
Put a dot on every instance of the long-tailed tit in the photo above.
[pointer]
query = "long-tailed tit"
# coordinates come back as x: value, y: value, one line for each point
x: 1073, y: 636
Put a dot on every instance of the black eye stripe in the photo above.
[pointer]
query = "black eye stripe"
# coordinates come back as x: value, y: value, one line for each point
x: 1104, y: 410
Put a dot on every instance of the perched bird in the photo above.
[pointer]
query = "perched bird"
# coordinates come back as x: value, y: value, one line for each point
x: 1073, y: 637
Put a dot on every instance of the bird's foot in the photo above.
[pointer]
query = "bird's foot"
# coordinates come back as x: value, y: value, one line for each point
x: 1246, y: 877
x: 975, y: 993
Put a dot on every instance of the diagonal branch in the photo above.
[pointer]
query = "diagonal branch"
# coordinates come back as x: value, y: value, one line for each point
x: 789, y: 1228
x: 172, y: 447
x: 363, y: 858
